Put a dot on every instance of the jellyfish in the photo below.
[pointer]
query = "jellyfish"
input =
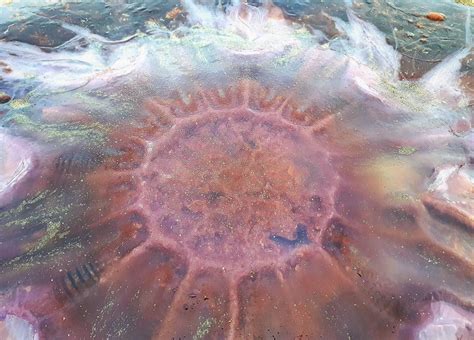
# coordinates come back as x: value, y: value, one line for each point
x: 240, y: 176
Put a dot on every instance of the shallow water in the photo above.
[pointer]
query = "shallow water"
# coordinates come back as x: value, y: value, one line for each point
x: 228, y: 170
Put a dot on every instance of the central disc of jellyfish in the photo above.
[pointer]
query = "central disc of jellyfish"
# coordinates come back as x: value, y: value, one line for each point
x: 237, y: 179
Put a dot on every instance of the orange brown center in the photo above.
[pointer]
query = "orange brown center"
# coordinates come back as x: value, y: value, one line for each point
x: 238, y: 184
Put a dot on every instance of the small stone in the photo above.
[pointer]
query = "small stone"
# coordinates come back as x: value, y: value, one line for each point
x: 171, y: 15
x: 4, y: 98
x: 436, y: 16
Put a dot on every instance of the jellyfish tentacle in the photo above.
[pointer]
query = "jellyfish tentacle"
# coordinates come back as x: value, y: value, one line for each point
x: 23, y: 173
x: 200, y: 307
x: 450, y: 194
x: 285, y: 302
x: 157, y: 272
x: 402, y: 265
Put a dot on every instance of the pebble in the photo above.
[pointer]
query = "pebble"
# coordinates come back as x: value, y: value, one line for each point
x: 436, y: 16
x: 171, y: 15
x: 4, y: 98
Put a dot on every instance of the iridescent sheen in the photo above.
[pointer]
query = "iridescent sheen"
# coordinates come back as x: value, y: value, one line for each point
x: 239, y: 177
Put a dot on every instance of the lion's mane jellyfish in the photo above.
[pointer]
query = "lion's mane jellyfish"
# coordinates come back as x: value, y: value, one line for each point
x: 240, y: 177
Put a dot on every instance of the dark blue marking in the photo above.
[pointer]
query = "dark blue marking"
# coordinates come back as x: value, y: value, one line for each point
x: 301, y: 237
x: 76, y: 161
x: 90, y: 268
x: 79, y: 275
x: 83, y: 277
x: 88, y: 272
x: 72, y: 280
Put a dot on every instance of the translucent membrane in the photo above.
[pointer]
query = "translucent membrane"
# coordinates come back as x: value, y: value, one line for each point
x: 234, y: 178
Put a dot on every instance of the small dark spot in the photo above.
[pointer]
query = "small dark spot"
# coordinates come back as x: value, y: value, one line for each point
x: 4, y: 98
x: 185, y: 306
x: 252, y: 144
x: 253, y: 276
x: 192, y: 296
x: 205, y: 298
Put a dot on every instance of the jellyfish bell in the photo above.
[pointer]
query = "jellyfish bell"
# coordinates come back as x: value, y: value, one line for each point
x: 234, y: 178
x: 221, y: 159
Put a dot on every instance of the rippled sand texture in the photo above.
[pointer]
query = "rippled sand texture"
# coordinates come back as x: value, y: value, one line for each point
x: 239, y: 177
